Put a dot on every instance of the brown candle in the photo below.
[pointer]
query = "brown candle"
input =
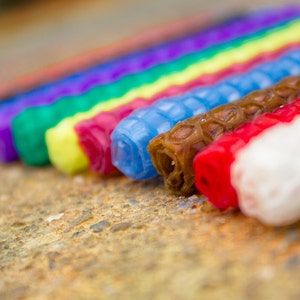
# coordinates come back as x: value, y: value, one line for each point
x: 172, y: 153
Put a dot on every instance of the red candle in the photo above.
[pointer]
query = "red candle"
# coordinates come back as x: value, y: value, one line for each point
x: 256, y: 167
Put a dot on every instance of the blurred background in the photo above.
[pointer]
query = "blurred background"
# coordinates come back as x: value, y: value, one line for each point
x: 39, y: 33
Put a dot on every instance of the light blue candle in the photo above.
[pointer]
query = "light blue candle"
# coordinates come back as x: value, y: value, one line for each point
x: 133, y: 134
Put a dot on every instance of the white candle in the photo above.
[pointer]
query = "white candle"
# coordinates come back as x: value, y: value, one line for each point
x: 266, y: 175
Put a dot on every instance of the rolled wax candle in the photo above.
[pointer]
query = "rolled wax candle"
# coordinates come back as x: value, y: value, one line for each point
x: 256, y: 167
x: 62, y: 142
x: 133, y: 134
x: 173, y: 152
x: 77, y: 84
x: 94, y: 134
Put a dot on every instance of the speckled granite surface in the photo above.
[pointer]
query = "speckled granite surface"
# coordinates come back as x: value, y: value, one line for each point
x: 89, y: 237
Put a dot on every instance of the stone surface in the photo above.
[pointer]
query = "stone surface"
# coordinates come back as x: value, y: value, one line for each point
x: 162, y: 247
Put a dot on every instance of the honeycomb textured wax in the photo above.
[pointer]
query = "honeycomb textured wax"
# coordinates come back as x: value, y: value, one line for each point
x: 62, y: 141
x: 80, y: 83
x: 148, y: 82
x: 133, y: 134
x: 94, y: 134
x: 256, y: 167
x: 173, y: 152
